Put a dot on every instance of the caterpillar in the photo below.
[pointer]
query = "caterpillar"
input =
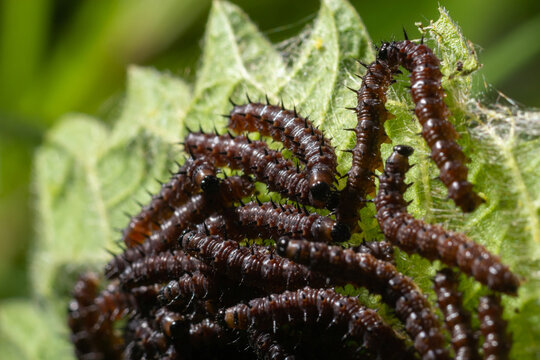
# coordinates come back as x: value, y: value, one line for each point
x: 160, y: 268
x: 198, y: 207
x: 195, y: 174
x: 432, y: 241
x: 379, y: 277
x: 224, y: 224
x: 497, y: 342
x: 188, y: 215
x: 179, y: 292
x: 297, y: 134
x: 271, y: 220
x: 366, y: 155
x: 254, y: 266
x: 430, y: 109
x: 381, y: 250
x: 457, y: 319
x: 323, y: 307
x: 254, y: 157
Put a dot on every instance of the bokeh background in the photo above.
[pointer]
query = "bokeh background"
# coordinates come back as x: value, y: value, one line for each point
x: 59, y: 56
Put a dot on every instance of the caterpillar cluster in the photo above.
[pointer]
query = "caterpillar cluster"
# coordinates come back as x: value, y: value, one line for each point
x: 196, y: 280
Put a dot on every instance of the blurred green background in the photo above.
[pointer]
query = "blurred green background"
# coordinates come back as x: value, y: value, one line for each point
x: 59, y: 56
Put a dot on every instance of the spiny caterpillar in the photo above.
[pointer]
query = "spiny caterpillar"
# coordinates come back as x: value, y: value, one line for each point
x: 298, y: 135
x: 271, y: 220
x: 192, y: 176
x: 370, y: 134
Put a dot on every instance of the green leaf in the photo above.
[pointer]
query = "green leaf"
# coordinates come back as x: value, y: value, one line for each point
x: 29, y: 331
x: 509, y: 141
x: 86, y: 175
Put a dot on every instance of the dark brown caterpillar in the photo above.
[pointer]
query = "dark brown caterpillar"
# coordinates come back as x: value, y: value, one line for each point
x: 185, y: 216
x: 270, y: 220
x: 159, y: 268
x: 370, y: 134
x: 322, y: 307
x: 254, y: 266
x: 381, y: 250
x: 179, y: 292
x: 92, y: 337
x: 432, y: 241
x: 323, y: 229
x: 266, y: 347
x: 194, y: 175
x: 200, y: 206
x: 380, y: 277
x: 254, y: 157
x: 497, y: 342
x: 457, y: 319
x: 224, y: 225
x: 428, y: 96
x: 297, y: 134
